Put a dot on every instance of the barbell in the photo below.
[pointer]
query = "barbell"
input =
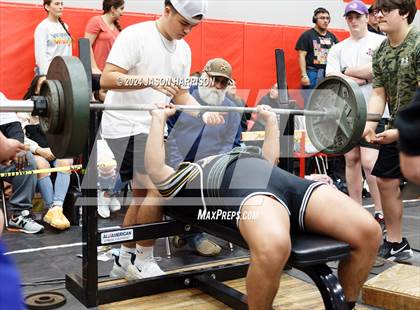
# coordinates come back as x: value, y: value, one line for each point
x: 335, y: 116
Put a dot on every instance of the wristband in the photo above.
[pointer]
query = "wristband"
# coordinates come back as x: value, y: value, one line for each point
x: 200, y: 115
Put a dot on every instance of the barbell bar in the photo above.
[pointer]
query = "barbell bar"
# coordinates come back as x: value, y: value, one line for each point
x: 335, y: 116
x: 28, y: 106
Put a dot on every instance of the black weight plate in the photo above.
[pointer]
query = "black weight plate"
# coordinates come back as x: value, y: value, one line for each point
x: 341, y: 96
x: 51, y: 123
x: 74, y: 115
x: 45, y: 300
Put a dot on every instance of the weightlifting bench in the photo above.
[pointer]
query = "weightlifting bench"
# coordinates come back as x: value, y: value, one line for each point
x: 309, y: 254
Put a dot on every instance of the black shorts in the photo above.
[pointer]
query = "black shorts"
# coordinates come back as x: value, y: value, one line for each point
x: 129, y: 155
x: 388, y: 163
x: 380, y: 128
x: 247, y: 177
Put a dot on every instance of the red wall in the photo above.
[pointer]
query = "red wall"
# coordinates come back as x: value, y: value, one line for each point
x: 248, y: 47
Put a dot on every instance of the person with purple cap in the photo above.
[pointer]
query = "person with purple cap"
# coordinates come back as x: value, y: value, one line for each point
x: 352, y: 58
x: 152, y: 60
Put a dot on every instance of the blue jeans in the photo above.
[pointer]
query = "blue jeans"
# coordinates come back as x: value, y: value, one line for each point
x: 193, y: 239
x: 54, y: 195
x: 315, y: 76
x: 23, y: 186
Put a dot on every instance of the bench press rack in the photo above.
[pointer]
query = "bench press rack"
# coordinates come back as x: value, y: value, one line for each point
x: 310, y: 253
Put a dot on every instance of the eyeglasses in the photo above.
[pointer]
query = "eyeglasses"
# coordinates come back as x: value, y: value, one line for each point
x: 224, y: 82
x: 383, y: 11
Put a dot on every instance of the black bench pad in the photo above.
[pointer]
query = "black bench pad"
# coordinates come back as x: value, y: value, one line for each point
x: 307, y: 249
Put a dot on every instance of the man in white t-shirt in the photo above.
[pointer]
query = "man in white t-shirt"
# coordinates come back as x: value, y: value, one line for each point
x: 352, y: 58
x: 144, y: 58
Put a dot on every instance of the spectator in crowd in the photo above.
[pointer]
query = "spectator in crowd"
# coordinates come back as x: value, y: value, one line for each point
x: 231, y: 93
x: 408, y: 125
x: 102, y: 30
x: 313, y: 46
x: 352, y: 58
x: 52, y: 38
x: 53, y: 195
x: 373, y: 25
x: 190, y: 139
x: 20, y: 202
x: 271, y: 99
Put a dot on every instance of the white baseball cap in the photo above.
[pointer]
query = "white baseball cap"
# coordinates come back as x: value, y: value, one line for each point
x: 190, y: 8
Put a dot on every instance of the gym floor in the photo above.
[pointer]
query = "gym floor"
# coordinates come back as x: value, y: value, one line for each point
x: 44, y: 259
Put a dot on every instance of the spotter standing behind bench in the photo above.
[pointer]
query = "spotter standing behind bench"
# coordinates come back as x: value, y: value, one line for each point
x: 246, y: 181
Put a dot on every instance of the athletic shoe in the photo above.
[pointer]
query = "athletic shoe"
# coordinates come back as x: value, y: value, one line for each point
x: 206, y: 247
x: 379, y: 262
x: 120, y: 271
x: 396, y: 251
x: 148, y: 268
x: 103, y: 205
x: 115, y: 204
x: 379, y: 217
x: 25, y: 223
x: 56, y: 218
x: 178, y: 241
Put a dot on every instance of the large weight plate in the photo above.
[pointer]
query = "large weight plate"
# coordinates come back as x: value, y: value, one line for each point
x: 73, y: 110
x: 341, y: 96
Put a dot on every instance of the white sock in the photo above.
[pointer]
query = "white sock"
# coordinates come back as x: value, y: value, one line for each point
x: 142, y: 253
x: 125, y: 255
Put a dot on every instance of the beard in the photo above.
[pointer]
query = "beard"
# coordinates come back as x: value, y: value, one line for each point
x: 211, y: 95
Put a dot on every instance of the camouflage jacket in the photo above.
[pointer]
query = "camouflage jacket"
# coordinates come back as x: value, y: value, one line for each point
x: 397, y: 69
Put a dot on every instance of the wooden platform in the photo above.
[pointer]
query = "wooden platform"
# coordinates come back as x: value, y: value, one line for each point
x: 293, y: 294
x: 396, y: 288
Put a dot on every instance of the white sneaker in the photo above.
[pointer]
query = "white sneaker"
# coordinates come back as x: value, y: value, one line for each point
x: 129, y: 272
x: 115, y: 204
x: 133, y: 273
x: 149, y: 268
x: 103, y: 205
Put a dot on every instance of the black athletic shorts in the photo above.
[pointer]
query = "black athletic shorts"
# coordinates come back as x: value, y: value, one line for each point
x: 129, y: 154
x: 244, y: 178
x: 388, y: 163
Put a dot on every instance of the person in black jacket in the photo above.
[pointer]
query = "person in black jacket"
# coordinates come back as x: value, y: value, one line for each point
x: 408, y: 125
x: 20, y: 202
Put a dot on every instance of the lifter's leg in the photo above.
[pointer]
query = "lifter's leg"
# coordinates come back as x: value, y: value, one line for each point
x: 345, y: 220
x: 143, y: 208
x: 268, y: 238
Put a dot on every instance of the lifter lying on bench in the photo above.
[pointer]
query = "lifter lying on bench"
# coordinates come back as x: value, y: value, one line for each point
x: 268, y: 203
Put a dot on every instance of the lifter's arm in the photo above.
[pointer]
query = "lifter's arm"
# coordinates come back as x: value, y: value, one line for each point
x: 154, y: 158
x: 271, y: 145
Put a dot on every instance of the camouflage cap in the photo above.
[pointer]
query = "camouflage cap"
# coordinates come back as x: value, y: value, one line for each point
x: 219, y: 67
